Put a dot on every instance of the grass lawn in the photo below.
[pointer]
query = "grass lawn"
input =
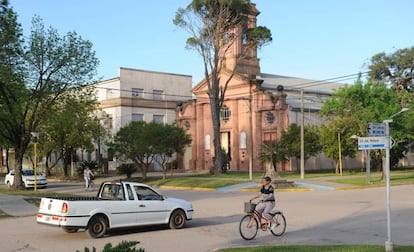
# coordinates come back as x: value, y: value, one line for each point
x: 199, y: 182
x: 210, y: 181
x: 397, y: 177
x: 319, y: 248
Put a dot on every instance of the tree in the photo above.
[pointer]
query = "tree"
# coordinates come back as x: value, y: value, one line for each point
x: 312, y: 143
x: 132, y: 142
x: 35, y: 77
x: 169, y: 140
x: 396, y: 69
x: 140, y: 142
x: 337, y: 142
x: 215, y: 26
x: 11, y: 87
x: 273, y: 152
x: 352, y: 108
x: 72, y: 123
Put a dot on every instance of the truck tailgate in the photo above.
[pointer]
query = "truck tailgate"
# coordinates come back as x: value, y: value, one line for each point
x: 50, y: 211
x: 51, y: 206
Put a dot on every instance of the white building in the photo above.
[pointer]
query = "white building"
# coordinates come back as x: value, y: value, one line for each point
x: 140, y: 95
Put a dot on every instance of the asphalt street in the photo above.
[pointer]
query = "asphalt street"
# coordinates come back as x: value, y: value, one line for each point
x: 326, y: 214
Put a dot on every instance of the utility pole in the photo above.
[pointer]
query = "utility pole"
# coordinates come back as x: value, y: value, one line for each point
x: 302, y: 137
x: 250, y: 135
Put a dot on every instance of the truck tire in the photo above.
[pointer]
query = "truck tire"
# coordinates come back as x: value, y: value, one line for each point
x: 177, y: 219
x: 70, y: 230
x: 97, y: 227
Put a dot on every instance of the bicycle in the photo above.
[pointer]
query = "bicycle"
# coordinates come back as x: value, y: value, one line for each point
x: 91, y: 184
x: 249, y: 224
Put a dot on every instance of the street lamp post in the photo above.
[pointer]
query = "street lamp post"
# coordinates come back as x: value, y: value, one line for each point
x: 339, y: 152
x: 389, y: 247
x: 35, y: 135
x: 388, y: 244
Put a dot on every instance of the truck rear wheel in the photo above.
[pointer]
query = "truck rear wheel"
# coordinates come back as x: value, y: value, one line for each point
x: 97, y: 227
x: 177, y: 219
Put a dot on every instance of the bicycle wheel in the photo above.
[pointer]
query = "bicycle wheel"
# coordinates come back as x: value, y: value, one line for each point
x: 248, y: 227
x: 280, y: 221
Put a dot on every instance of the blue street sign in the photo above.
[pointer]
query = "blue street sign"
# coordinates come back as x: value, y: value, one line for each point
x: 376, y: 129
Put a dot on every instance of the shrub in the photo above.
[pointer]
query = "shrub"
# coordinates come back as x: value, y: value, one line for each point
x: 123, y: 246
x: 126, y: 169
x: 92, y: 165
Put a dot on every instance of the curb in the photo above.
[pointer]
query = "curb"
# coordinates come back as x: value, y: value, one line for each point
x: 187, y: 188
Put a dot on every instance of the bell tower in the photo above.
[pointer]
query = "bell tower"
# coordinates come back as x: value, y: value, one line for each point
x: 240, y: 54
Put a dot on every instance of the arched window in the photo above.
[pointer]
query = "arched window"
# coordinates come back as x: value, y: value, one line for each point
x: 207, y: 142
x: 225, y: 113
x: 243, y: 140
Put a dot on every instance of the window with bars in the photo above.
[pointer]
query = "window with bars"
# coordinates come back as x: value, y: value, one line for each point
x: 158, y: 118
x: 138, y: 92
x: 269, y: 118
x: 158, y: 94
x: 225, y: 113
x: 137, y: 117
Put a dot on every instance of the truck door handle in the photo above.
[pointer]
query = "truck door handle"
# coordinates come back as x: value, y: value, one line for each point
x: 141, y: 205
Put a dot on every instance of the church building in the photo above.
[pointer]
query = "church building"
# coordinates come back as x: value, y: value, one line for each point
x: 257, y: 108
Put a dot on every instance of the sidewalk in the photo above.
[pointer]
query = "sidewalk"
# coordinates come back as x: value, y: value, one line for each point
x: 15, y: 205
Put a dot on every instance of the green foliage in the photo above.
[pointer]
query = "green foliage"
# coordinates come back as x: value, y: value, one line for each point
x: 139, y: 142
x: 127, y: 169
x: 290, y: 139
x: 123, y: 246
x: 352, y: 108
x: 93, y: 166
x: 71, y: 123
x: 274, y: 152
x: 395, y: 68
x: 289, y: 145
x: 35, y: 73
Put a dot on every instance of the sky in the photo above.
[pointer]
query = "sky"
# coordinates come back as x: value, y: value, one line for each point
x: 312, y: 39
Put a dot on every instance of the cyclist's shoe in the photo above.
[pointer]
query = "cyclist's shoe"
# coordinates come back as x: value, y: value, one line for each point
x: 273, y: 225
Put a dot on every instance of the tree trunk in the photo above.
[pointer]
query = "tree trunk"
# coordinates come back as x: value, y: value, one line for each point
x: 384, y: 170
x: 337, y: 167
x: 218, y: 157
x: 18, y: 183
x: 7, y: 160
x: 48, y: 173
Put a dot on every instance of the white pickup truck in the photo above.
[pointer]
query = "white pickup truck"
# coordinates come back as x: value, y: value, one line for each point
x: 117, y: 205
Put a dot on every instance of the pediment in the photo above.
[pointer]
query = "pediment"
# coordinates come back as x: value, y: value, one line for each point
x: 237, y: 81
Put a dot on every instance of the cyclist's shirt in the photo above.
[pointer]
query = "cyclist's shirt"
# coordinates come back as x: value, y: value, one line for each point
x: 265, y: 192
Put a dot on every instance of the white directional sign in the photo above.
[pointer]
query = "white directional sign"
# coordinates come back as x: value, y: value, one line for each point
x: 371, y: 143
x: 376, y: 129
x: 392, y: 142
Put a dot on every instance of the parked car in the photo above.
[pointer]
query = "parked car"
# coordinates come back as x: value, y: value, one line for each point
x: 28, y: 179
x: 117, y: 205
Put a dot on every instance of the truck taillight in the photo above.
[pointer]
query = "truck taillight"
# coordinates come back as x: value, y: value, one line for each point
x: 64, y: 207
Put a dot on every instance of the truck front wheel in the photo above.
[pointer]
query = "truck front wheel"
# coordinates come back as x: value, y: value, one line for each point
x: 177, y: 219
x: 97, y: 227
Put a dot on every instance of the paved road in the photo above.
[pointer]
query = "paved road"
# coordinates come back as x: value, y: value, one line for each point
x: 313, y: 217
